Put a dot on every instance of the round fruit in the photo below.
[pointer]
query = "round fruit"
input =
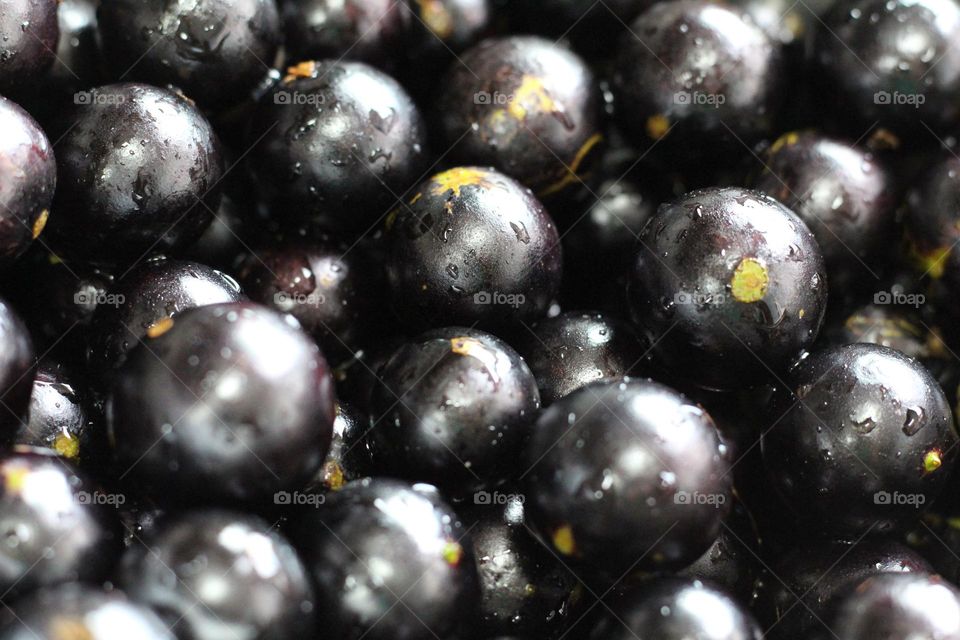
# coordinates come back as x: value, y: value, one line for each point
x: 844, y: 194
x: 863, y: 439
x: 893, y: 62
x: 627, y: 475
x: 389, y: 561
x: 85, y: 612
x: 472, y: 246
x: 224, y: 402
x: 214, y: 50
x: 932, y: 223
x: 574, y: 349
x: 678, y: 609
x: 28, y: 176
x: 900, y: 606
x: 137, y: 174
x: 56, y: 524
x: 698, y: 80
x: 340, y: 141
x: 60, y: 413
x: 144, y: 302
x: 367, y: 30
x: 16, y: 362
x: 28, y: 40
x: 221, y: 575
x: 453, y: 407
x: 348, y: 458
x: 727, y: 280
x: 528, y: 107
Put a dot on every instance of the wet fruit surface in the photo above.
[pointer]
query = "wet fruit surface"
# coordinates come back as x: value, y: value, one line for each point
x: 727, y: 279
x: 16, y: 361
x: 28, y: 40
x: 472, y: 246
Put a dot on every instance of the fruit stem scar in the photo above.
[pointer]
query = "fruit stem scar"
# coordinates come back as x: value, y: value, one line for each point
x: 302, y: 70
x: 457, y: 178
x: 40, y: 223
x: 66, y: 445
x: 657, y: 126
x: 932, y: 461
x: 159, y: 327
x: 563, y: 540
x: 749, y: 281
x: 570, y: 173
x: 452, y: 553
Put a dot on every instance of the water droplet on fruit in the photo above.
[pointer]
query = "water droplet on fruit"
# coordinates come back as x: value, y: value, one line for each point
x: 914, y: 421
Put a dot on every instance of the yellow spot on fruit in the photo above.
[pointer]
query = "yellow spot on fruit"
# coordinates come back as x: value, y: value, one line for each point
x: 302, y: 70
x: 531, y: 96
x: 437, y: 18
x: 414, y: 199
x: 15, y: 477
x: 570, y: 175
x: 529, y: 589
x: 333, y: 475
x: 750, y: 280
x: 802, y: 313
x: 953, y: 523
x: 657, y: 126
x: 63, y: 628
x: 66, y: 445
x: 932, y: 461
x: 391, y: 219
x: 457, y: 178
x: 932, y: 261
x: 159, y: 327
x: 563, y: 540
x: 40, y: 223
x: 452, y: 553
x: 786, y: 140
x: 54, y: 259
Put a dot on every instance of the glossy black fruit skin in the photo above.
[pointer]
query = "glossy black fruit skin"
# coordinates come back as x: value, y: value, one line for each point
x: 454, y: 407
x: 329, y: 286
x: 861, y: 425
x: 61, y: 414
x: 266, y: 590
x: 931, y: 225
x: 900, y: 606
x: 215, y: 51
x: 420, y: 554
x: 627, y: 476
x: 528, y: 107
x: 28, y: 40
x: 27, y: 181
x: 229, y: 402
x: 16, y: 362
x: 137, y: 174
x: 340, y: 141
x: 57, y: 528
x: 144, y: 301
x: 819, y: 572
x: 85, y: 611
x: 677, y: 609
x: 694, y: 111
x: 472, y: 246
x: 727, y: 279
x: 349, y: 457
x: 365, y: 30
x: 523, y: 587
x: 572, y: 350
x: 844, y: 194
x: 438, y: 29
x: 873, y: 77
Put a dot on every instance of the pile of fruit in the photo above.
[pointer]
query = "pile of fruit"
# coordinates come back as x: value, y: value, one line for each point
x: 479, y: 319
